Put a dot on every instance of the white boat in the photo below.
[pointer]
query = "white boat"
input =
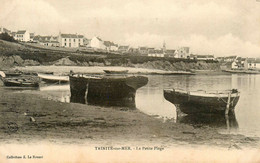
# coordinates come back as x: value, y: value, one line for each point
x: 53, y: 78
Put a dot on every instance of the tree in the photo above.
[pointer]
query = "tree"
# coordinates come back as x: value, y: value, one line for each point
x: 5, y: 36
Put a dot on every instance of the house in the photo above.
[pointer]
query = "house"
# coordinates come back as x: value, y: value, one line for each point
x: 110, y: 46
x: 70, y: 40
x: 123, y: 49
x: 156, y: 53
x: 252, y: 63
x: 47, y: 40
x: 169, y: 52
x: 22, y: 35
x: 97, y: 43
x: 4, y: 30
x: 31, y: 36
x: 202, y: 57
x: 182, y: 52
x: 230, y: 58
x: 143, y: 50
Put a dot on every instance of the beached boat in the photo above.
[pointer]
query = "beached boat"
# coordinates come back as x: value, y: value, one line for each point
x: 115, y: 72
x: 243, y: 71
x: 192, y: 102
x: 106, y: 90
x: 19, y: 82
x: 48, y: 78
x: 235, y: 71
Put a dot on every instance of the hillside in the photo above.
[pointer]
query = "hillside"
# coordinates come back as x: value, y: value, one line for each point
x: 17, y: 54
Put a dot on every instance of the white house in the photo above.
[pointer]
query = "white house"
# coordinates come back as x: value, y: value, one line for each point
x: 97, y: 43
x: 182, y: 52
x: 156, y: 53
x: 47, y: 40
x: 70, y: 40
x: 22, y: 35
x: 110, y: 46
x: 4, y: 30
x: 252, y: 63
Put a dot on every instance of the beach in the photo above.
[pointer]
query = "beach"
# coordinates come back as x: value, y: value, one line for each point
x: 32, y: 118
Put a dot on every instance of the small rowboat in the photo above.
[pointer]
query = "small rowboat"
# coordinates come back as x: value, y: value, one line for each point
x: 16, y: 82
x: 115, y: 72
x: 192, y: 102
x: 53, y: 78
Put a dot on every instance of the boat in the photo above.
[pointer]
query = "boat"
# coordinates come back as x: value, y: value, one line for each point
x: 48, y: 78
x: 243, y: 71
x: 106, y: 90
x: 192, y: 102
x: 235, y: 71
x: 116, y: 72
x: 19, y: 82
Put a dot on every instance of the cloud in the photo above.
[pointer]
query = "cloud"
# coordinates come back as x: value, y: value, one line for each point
x: 32, y: 15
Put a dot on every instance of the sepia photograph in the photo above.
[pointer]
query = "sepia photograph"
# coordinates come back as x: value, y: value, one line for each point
x: 129, y: 81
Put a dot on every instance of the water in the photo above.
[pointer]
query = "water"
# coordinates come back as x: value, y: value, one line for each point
x: 150, y: 100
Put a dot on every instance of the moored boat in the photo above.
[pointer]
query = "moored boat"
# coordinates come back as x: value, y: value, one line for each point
x: 106, y: 90
x: 48, y: 78
x: 115, y: 72
x: 19, y: 82
x: 192, y: 102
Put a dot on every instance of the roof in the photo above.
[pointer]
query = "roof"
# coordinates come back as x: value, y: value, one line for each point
x: 123, y: 47
x: 109, y: 43
x: 143, y: 48
x: 21, y: 32
x: 170, y: 51
x: 231, y: 57
x: 71, y: 36
x: 204, y: 56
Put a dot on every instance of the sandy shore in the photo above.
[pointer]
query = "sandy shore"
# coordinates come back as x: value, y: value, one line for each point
x: 30, y: 118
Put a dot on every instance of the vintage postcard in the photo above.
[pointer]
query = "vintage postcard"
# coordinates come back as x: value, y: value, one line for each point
x: 129, y: 81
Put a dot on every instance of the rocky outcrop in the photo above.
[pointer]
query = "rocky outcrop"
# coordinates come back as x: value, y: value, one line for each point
x: 168, y: 66
x: 10, y: 61
x: 65, y: 62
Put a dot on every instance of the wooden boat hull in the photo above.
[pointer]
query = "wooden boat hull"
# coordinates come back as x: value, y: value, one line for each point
x: 192, y: 104
x: 48, y: 78
x: 12, y: 83
x: 119, y: 91
x: 115, y: 72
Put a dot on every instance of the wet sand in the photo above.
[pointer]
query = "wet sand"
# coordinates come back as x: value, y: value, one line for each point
x: 31, y: 118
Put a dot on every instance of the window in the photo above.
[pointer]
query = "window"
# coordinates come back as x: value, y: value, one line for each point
x: 65, y: 43
x: 65, y: 40
x: 74, y: 40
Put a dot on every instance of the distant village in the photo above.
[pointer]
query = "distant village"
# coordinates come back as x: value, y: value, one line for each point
x: 96, y: 44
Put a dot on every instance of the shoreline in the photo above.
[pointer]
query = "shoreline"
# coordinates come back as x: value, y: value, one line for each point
x: 98, y: 70
x: 71, y: 123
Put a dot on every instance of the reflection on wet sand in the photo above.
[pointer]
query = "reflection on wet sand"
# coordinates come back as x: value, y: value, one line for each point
x: 210, y: 120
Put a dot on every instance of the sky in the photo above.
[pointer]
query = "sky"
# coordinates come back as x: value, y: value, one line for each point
x: 218, y: 27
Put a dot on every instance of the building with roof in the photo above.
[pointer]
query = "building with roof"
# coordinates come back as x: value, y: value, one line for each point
x: 143, y: 50
x: 182, y: 52
x: 169, y: 52
x: 111, y: 46
x: 97, y: 43
x: 156, y: 53
x: 202, y: 57
x: 4, y: 30
x: 47, y: 40
x: 70, y: 40
x: 230, y: 58
x: 252, y: 63
x: 22, y: 35
x: 124, y: 49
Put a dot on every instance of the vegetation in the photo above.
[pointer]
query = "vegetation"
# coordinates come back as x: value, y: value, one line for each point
x: 7, y: 37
